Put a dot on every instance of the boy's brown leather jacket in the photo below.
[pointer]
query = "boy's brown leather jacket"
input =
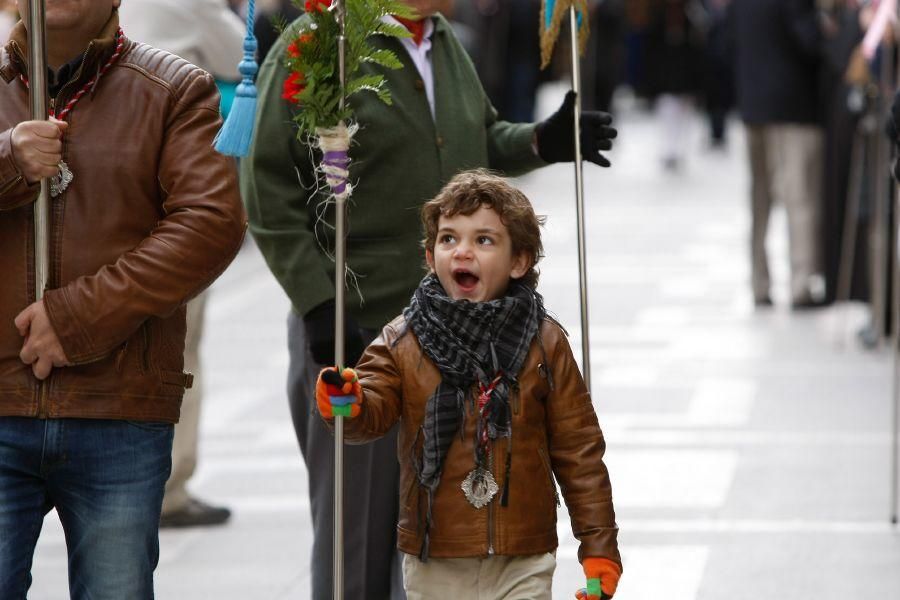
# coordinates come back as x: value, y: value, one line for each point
x: 555, y: 435
x: 152, y: 217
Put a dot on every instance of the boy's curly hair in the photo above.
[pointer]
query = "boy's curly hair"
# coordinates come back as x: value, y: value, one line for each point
x: 470, y: 190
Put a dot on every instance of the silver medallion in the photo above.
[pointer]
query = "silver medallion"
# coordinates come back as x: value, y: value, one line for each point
x: 479, y: 487
x: 60, y: 181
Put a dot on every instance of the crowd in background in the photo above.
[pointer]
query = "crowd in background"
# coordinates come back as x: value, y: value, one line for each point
x: 681, y: 56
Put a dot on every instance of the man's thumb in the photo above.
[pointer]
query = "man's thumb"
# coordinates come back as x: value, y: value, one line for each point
x: 61, y: 125
x: 23, y: 321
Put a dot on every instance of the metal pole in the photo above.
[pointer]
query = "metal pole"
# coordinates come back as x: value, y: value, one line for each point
x: 579, y: 203
x: 37, y: 96
x: 880, y: 250
x: 895, y: 342
x: 851, y: 223
x: 340, y: 266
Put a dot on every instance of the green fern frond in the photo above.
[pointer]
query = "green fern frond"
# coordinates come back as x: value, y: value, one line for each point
x: 392, y: 30
x: 384, y: 58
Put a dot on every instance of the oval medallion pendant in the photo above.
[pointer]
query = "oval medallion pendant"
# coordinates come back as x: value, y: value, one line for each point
x: 479, y: 487
x: 60, y: 181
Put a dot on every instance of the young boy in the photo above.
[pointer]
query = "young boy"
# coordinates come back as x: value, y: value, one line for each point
x: 492, y: 408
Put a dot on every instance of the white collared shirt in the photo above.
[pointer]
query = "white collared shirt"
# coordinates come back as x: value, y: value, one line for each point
x: 421, y: 56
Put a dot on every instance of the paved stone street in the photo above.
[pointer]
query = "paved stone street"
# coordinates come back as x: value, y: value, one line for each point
x: 749, y: 450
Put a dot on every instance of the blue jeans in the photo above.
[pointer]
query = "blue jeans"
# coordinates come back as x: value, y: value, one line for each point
x: 106, y: 481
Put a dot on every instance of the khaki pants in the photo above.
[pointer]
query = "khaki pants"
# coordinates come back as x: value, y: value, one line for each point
x: 184, y: 448
x: 786, y: 167
x: 491, y: 578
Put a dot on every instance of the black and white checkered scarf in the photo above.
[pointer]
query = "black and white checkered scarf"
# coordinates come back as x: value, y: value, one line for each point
x: 469, y: 342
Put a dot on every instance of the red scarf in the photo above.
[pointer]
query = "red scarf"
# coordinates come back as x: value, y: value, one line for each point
x: 416, y: 28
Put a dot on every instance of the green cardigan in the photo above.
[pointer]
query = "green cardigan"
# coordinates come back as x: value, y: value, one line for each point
x: 401, y: 157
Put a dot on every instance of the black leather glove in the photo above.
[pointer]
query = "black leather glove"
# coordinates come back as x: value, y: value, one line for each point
x: 319, y: 324
x: 556, y: 135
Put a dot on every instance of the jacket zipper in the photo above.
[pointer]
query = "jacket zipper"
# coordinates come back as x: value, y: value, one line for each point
x: 491, y: 514
x: 76, y: 77
x: 42, y: 399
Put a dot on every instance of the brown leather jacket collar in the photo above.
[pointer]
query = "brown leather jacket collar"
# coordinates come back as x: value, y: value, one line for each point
x: 98, y: 51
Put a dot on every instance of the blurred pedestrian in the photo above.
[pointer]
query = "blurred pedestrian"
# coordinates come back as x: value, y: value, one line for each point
x: 777, y: 54
x: 719, y: 73
x: 846, y: 85
x: 604, y: 62
x: 508, y: 57
x: 145, y: 215
x: 674, y: 63
x: 265, y: 27
x: 210, y: 35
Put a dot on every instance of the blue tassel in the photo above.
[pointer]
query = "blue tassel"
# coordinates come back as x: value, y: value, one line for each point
x: 236, y: 134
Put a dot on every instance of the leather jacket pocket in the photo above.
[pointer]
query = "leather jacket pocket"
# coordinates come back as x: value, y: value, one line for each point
x: 411, y: 494
x: 548, y: 470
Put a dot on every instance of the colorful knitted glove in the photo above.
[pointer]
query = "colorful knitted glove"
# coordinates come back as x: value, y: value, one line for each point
x: 338, y: 393
x: 602, y: 579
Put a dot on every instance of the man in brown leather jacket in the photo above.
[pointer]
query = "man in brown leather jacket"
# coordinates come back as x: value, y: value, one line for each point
x: 492, y: 411
x: 91, y: 377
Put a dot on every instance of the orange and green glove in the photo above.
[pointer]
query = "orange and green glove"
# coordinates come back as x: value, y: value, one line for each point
x: 602, y: 579
x: 338, y: 393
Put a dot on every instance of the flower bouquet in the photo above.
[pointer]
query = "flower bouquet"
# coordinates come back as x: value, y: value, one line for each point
x: 324, y: 118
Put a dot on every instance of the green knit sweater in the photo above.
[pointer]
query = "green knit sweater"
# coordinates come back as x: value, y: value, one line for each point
x: 401, y: 157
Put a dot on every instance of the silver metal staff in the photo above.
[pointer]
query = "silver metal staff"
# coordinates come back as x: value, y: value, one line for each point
x: 895, y: 342
x: 881, y: 221
x: 37, y: 96
x: 895, y: 339
x: 340, y: 266
x: 579, y: 203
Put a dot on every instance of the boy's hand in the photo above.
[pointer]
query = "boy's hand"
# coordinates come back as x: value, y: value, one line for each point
x: 338, y: 393
x: 602, y: 579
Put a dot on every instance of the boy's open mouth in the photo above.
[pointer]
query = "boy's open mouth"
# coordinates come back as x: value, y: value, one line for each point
x: 465, y: 279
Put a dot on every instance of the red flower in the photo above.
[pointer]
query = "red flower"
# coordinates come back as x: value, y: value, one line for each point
x: 293, y: 87
x: 294, y: 48
x: 312, y: 6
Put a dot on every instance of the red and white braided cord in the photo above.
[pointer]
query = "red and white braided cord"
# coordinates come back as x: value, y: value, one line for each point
x: 120, y: 42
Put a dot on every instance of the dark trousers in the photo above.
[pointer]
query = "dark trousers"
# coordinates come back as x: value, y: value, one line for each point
x: 106, y: 481
x: 372, y: 568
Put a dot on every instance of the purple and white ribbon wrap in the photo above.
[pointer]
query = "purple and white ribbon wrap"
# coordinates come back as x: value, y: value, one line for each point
x: 335, y: 164
x: 335, y: 143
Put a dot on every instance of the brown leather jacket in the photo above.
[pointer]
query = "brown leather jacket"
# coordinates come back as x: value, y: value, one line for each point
x: 152, y: 217
x: 555, y: 436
